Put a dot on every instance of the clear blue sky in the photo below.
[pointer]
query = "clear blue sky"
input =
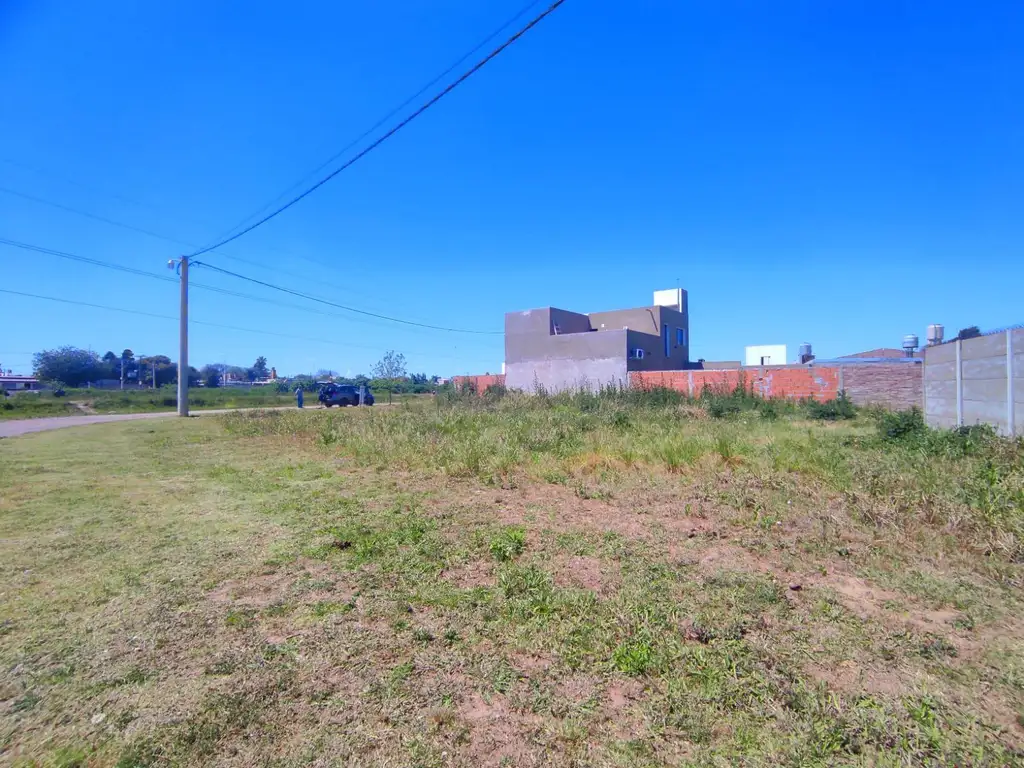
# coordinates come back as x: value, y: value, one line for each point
x: 839, y: 173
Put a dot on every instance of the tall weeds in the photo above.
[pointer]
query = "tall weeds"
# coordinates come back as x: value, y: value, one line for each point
x: 902, y: 475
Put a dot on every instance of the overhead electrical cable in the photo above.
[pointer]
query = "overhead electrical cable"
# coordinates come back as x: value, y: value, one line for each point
x: 168, y: 238
x: 384, y: 119
x: 142, y: 313
x: 226, y: 291
x: 364, y: 152
x: 342, y: 306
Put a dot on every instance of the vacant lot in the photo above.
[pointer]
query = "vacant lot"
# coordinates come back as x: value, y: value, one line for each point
x: 570, y: 581
x: 78, y: 402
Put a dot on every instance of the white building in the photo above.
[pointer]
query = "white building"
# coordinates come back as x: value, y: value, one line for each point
x: 766, y: 354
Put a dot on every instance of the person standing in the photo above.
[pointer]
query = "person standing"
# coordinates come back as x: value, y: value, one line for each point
x: 298, y: 395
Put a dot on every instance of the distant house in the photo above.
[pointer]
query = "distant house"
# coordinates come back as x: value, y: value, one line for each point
x: 12, y: 383
x: 882, y: 353
x: 555, y: 349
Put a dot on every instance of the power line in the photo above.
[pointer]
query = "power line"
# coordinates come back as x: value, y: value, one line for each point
x: 86, y: 260
x: 151, y: 233
x: 386, y: 117
x: 341, y: 306
x: 168, y: 278
x: 448, y: 89
x: 200, y: 322
x: 95, y: 217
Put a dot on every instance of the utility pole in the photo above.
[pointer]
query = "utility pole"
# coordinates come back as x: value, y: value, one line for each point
x: 182, y: 265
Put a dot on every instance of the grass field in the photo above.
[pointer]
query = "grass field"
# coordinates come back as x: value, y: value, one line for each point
x: 77, y: 402
x: 613, y: 581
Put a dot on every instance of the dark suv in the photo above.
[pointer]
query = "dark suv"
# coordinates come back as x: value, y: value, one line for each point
x: 342, y: 394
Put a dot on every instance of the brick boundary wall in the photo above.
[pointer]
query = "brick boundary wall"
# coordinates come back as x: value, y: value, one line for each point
x: 479, y: 383
x: 894, y: 385
x: 899, y: 386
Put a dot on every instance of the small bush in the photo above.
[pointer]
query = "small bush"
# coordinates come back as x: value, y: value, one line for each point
x: 832, y: 410
x: 900, y: 425
x: 634, y: 656
x: 508, y: 544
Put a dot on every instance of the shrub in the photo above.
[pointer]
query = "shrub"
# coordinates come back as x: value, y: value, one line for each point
x: 634, y: 656
x: 832, y: 410
x: 508, y: 544
x: 900, y: 425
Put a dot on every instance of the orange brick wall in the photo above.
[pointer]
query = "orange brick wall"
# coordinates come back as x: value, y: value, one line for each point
x: 897, y: 385
x: 797, y: 382
x: 479, y: 383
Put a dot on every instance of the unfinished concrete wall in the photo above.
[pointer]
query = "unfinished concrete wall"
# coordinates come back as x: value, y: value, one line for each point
x: 977, y: 381
x: 648, y: 324
x: 581, y: 360
x: 645, y: 319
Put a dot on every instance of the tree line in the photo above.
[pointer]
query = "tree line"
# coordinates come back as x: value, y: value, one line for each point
x: 74, y: 367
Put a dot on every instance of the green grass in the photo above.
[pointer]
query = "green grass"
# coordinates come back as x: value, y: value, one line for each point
x: 77, y: 402
x: 428, y: 585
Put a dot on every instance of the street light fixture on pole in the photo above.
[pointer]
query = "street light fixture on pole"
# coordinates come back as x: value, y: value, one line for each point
x: 181, y: 265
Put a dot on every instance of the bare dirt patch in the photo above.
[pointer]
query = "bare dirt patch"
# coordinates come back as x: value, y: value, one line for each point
x: 266, y: 589
x: 498, y: 733
x: 584, y: 572
x: 478, y: 573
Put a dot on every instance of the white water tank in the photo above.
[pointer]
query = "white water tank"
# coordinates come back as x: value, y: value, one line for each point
x: 910, y: 344
x: 935, y: 334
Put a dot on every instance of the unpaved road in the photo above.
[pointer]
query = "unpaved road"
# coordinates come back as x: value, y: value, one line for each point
x: 24, y: 426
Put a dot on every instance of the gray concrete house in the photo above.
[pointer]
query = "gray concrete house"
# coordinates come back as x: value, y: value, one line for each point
x: 557, y: 349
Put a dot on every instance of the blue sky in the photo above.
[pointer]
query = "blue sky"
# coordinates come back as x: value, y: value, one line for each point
x: 839, y: 173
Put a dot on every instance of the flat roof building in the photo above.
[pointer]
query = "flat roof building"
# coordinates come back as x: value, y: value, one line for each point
x: 555, y: 349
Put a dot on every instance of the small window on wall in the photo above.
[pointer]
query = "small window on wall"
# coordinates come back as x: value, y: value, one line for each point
x: 680, y: 337
x: 636, y: 354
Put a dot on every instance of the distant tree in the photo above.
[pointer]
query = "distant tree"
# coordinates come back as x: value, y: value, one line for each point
x: 69, y: 365
x: 260, y: 368
x: 211, y: 375
x: 418, y: 378
x: 111, y: 366
x: 128, y: 364
x: 389, y: 372
x: 166, y: 371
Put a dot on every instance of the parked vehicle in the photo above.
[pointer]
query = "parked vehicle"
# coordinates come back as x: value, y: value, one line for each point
x: 342, y: 395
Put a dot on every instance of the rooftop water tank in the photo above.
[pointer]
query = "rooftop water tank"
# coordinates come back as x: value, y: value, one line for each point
x: 910, y: 344
x: 935, y: 334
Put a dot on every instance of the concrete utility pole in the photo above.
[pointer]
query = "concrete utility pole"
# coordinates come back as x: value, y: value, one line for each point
x: 182, y: 265
x: 183, y: 342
